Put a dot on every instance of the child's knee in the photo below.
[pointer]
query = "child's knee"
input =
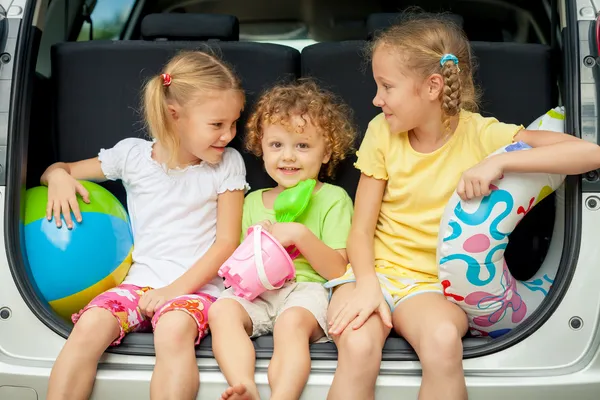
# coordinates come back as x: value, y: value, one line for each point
x: 217, y: 312
x: 225, y: 311
x: 441, y: 346
x: 360, y: 347
x: 295, y: 320
x: 95, y: 325
x: 292, y: 319
x: 175, y: 328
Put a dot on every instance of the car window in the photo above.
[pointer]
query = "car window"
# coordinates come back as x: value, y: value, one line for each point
x: 107, y: 20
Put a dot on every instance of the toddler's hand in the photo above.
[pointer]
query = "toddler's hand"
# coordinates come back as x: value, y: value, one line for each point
x: 62, y: 197
x: 476, y: 181
x: 366, y: 299
x: 286, y: 233
x: 152, y: 300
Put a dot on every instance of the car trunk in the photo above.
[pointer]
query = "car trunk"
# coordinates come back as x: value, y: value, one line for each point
x: 550, y: 233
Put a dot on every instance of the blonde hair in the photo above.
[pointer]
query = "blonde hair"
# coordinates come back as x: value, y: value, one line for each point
x: 331, y: 117
x: 186, y: 78
x: 423, y: 39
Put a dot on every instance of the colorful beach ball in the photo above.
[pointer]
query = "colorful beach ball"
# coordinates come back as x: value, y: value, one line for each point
x: 72, y: 266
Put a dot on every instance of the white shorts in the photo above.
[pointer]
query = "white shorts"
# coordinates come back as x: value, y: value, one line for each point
x: 266, y: 308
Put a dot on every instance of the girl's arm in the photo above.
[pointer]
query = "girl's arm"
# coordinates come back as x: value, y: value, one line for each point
x: 86, y: 169
x: 369, y: 196
x: 552, y: 152
x: 367, y: 297
x: 229, y: 227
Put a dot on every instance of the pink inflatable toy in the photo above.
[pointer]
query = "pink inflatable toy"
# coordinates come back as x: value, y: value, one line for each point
x: 259, y: 264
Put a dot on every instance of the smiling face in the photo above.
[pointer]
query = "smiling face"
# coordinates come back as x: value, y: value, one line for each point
x: 205, y: 128
x: 291, y: 157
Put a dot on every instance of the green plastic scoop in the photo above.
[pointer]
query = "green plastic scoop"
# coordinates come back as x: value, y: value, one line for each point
x: 292, y: 202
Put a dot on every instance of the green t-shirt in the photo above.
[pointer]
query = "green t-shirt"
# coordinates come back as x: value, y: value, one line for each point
x: 328, y: 216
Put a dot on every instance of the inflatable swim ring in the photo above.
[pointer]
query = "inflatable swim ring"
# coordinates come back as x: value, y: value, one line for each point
x: 472, y: 239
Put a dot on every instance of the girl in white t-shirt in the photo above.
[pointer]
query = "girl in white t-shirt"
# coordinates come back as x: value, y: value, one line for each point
x: 185, y: 192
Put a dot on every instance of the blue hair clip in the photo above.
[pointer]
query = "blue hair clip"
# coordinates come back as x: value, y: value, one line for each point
x: 448, y: 57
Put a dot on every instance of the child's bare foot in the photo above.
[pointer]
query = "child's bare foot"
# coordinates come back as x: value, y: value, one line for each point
x: 237, y: 392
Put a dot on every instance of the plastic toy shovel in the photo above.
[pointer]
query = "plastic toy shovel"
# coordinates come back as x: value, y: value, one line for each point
x: 292, y: 202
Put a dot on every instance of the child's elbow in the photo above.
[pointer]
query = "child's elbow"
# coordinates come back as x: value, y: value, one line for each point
x: 339, y: 273
x: 333, y: 270
x: 340, y: 268
x: 228, y: 246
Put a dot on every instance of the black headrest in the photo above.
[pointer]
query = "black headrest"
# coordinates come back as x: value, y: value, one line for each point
x: 380, y: 21
x: 193, y: 27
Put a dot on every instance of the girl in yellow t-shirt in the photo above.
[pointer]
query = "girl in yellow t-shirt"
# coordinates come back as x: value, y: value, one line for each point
x: 427, y: 142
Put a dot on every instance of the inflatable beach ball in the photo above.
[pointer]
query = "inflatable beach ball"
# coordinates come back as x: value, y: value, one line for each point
x: 72, y: 266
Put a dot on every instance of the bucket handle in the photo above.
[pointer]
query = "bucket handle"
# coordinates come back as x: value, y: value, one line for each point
x: 258, y: 261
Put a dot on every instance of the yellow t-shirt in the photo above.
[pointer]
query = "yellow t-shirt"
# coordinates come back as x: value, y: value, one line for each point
x: 420, y: 185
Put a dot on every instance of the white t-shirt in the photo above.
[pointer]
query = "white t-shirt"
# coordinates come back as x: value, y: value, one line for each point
x: 173, y: 212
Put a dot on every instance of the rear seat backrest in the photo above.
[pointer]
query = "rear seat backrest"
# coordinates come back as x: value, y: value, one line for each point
x: 98, y: 90
x: 197, y: 27
x: 516, y: 80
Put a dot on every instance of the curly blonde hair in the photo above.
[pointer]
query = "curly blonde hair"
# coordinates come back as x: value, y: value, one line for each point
x: 304, y: 98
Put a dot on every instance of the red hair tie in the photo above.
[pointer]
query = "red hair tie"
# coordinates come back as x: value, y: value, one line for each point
x: 166, y: 79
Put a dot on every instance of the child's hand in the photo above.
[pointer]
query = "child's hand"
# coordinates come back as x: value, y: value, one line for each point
x: 62, y: 197
x: 476, y: 181
x: 366, y: 300
x: 152, y: 300
x: 286, y: 233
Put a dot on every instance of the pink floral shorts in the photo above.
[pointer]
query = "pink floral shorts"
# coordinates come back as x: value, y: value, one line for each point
x: 122, y: 302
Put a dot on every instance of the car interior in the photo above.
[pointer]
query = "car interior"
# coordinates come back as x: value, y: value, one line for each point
x: 87, y: 96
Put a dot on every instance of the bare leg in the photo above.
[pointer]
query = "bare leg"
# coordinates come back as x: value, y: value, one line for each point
x: 176, y: 373
x: 231, y: 328
x: 434, y: 328
x: 359, y: 354
x: 74, y: 371
x: 294, y: 330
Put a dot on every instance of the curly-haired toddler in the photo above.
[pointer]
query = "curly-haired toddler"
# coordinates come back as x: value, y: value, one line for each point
x: 301, y: 132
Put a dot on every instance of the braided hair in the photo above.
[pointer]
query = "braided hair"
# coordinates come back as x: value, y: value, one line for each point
x: 434, y: 44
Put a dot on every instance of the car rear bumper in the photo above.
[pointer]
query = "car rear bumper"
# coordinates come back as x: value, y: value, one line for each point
x: 29, y: 382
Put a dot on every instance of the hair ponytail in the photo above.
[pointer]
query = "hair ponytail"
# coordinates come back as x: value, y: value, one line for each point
x: 156, y: 114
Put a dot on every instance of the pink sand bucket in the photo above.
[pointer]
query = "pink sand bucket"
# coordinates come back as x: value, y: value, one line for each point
x: 259, y: 264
